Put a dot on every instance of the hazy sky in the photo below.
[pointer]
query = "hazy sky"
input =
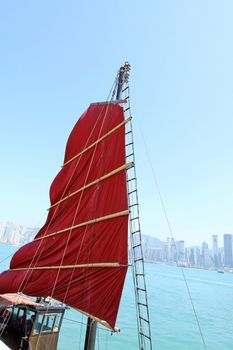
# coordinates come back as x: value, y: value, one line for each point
x: 58, y: 56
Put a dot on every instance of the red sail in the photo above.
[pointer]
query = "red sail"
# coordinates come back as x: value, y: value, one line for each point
x: 79, y: 256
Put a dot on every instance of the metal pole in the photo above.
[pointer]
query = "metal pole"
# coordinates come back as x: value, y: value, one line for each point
x: 91, y: 324
x: 90, y: 334
x: 120, y: 82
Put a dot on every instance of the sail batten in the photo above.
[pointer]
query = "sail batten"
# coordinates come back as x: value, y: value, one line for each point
x: 94, y: 221
x: 80, y: 255
x: 99, y: 140
x: 109, y: 264
x: 113, y: 172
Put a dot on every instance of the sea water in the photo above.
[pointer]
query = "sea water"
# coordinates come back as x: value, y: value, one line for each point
x: 173, y: 322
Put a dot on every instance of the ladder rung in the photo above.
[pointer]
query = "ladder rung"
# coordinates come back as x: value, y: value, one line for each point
x: 133, y: 205
x: 129, y: 144
x: 145, y: 335
x: 142, y: 304
x: 133, y: 178
x: 139, y: 259
x: 126, y: 109
x: 138, y: 245
x: 133, y: 233
x: 139, y: 274
x: 128, y: 132
x: 126, y: 98
x: 125, y: 89
x: 136, y: 218
x: 142, y: 318
x: 129, y: 155
x: 142, y: 289
x: 132, y: 192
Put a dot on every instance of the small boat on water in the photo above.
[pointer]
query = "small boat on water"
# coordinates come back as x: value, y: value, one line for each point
x: 80, y: 256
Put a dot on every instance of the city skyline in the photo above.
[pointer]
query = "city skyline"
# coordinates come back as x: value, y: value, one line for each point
x: 208, y: 238
x: 22, y: 228
x: 201, y: 256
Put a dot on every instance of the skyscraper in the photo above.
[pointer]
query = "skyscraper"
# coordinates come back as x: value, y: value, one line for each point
x: 215, y: 249
x: 204, y: 247
x: 204, y: 254
x: 180, y: 250
x: 228, y: 261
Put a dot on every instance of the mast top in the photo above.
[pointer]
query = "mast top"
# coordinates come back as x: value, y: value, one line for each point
x: 122, y: 78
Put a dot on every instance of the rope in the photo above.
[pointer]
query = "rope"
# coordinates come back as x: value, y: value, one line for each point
x: 97, y: 141
x: 94, y: 209
x: 73, y: 223
x: 77, y: 257
x: 76, y: 212
x: 36, y: 256
x: 172, y: 236
x: 84, y: 324
x: 35, y: 260
x: 9, y: 256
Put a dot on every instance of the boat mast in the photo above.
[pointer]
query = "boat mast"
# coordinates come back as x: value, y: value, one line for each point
x: 91, y: 324
x: 90, y: 334
x: 120, y: 82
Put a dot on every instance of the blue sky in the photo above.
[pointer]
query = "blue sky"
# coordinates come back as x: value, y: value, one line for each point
x: 58, y: 56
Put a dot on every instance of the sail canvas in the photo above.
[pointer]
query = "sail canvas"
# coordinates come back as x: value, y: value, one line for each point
x: 79, y: 256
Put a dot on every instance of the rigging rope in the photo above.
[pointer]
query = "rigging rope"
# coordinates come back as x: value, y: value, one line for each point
x: 34, y: 261
x: 172, y: 236
x: 75, y: 215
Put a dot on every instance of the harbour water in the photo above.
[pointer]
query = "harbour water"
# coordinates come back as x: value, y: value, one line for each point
x: 174, y: 325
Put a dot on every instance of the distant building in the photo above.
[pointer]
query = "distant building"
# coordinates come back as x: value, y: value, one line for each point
x: 192, y: 257
x: 180, y: 250
x: 204, y: 247
x: 197, y: 256
x: 228, y: 259
x: 220, y: 259
x: 208, y: 261
x: 204, y: 254
x: 215, y: 250
x: 172, y: 251
x: 165, y: 252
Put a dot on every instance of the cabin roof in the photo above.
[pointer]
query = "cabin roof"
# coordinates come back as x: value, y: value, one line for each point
x: 13, y: 299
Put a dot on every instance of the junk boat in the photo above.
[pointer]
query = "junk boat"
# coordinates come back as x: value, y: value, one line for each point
x: 80, y: 256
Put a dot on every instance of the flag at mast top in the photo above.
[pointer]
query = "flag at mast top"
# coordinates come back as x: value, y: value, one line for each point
x: 122, y: 78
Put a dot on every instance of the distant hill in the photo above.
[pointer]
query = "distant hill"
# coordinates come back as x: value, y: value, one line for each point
x: 152, y: 248
x: 152, y: 242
